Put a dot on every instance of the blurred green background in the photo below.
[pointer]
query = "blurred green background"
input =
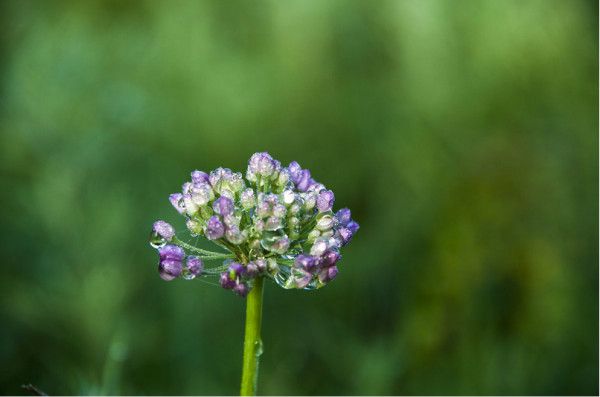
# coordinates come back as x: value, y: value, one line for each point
x: 462, y: 134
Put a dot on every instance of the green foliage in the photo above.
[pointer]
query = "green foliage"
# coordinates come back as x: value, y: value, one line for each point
x: 462, y: 134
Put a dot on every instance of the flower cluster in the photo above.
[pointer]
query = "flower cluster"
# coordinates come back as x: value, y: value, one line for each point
x: 277, y: 222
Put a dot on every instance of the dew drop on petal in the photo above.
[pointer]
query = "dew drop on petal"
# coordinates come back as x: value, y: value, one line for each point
x: 189, y: 276
x: 156, y: 241
x: 284, y: 278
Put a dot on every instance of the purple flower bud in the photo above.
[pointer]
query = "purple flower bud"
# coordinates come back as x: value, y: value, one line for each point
x: 176, y: 201
x: 171, y: 252
x: 236, y: 270
x: 295, y: 171
x: 169, y: 269
x: 329, y: 258
x: 343, y: 216
x: 225, y: 281
x: 241, y: 289
x: 261, y: 164
x: 223, y: 206
x: 328, y: 274
x: 214, y: 228
x: 302, y: 278
x: 325, y: 201
x: 252, y: 270
x: 194, y: 266
x: 306, y: 262
x: 353, y: 227
x: 315, y: 186
x: 169, y: 265
x: 344, y: 235
x: 163, y: 230
x: 199, y: 177
x: 304, y: 181
x: 261, y: 264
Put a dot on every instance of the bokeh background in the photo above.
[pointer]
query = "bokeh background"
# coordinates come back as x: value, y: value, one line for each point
x: 462, y: 134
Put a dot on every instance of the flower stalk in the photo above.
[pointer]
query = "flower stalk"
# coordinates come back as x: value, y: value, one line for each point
x: 252, y: 341
x: 276, y: 222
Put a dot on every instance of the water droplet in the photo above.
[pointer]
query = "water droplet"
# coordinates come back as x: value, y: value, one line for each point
x: 157, y: 241
x: 289, y: 278
x: 284, y: 277
x: 258, y: 348
x: 188, y: 276
x: 314, y: 284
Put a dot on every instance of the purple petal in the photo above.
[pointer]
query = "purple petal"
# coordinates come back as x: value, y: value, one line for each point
x: 169, y: 269
x: 164, y: 230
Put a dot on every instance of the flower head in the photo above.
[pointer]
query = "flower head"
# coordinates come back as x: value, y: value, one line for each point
x: 277, y: 222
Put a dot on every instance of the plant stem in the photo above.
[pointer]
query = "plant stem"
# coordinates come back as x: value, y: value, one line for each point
x: 208, y: 254
x: 252, y: 341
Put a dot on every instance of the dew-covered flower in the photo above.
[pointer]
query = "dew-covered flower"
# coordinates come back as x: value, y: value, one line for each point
x: 176, y: 200
x: 170, y: 262
x: 163, y: 230
x: 261, y: 164
x: 193, y: 267
x: 199, y: 177
x: 274, y: 221
x: 306, y: 262
x: 223, y: 205
x: 214, y: 228
x: 325, y: 201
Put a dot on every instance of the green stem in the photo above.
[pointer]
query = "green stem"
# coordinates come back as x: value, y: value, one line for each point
x: 252, y: 341
x: 208, y: 254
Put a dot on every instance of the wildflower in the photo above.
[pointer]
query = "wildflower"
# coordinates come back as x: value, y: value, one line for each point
x: 273, y: 222
x: 163, y: 231
x: 194, y: 267
x: 199, y: 177
x: 170, y: 266
x: 176, y: 201
x: 214, y: 228
x: 325, y: 201
x: 223, y: 205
